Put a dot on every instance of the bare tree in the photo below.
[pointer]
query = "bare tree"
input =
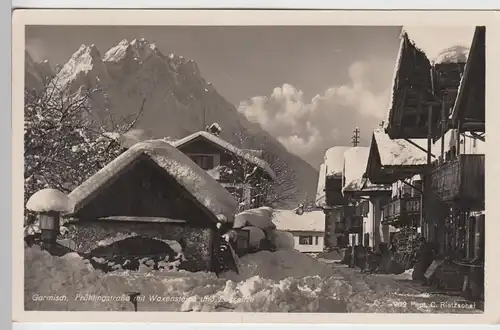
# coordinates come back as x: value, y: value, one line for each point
x: 278, y: 192
x: 64, y: 143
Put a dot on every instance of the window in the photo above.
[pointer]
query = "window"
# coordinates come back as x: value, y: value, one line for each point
x: 206, y: 162
x: 305, y: 240
x: 317, y: 240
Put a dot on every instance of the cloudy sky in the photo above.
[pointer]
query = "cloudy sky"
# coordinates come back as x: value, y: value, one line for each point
x: 308, y: 86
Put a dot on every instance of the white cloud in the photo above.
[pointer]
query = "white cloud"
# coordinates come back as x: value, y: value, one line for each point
x: 308, y: 128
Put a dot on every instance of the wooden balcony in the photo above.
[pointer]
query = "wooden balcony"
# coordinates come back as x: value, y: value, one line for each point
x: 461, y: 179
x: 402, y: 211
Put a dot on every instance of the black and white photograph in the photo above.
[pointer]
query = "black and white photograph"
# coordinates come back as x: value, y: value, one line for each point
x: 263, y: 168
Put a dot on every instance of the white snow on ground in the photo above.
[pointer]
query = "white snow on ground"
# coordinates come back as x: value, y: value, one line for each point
x: 291, y: 221
x: 200, y: 184
x: 49, y: 200
x: 334, y: 161
x: 283, y: 281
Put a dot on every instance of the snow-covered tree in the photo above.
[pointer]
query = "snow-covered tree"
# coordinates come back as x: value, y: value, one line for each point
x: 64, y: 143
x: 266, y: 192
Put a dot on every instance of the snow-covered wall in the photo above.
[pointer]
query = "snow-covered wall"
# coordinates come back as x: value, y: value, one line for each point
x: 198, y: 249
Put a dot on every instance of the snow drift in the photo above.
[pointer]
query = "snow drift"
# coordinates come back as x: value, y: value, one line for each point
x: 268, y: 287
x: 285, y: 281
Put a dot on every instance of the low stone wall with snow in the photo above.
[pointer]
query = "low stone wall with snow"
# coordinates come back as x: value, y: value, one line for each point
x: 197, y: 243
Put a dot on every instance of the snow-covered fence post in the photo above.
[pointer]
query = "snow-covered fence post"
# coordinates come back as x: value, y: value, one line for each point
x: 49, y: 204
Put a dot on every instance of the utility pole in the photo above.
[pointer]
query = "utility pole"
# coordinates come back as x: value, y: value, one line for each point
x: 355, y: 137
x: 204, y: 119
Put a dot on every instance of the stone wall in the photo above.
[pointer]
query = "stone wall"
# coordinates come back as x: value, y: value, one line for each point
x: 197, y: 242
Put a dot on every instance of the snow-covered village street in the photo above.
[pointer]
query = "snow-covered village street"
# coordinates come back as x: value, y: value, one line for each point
x: 283, y: 281
x: 147, y: 190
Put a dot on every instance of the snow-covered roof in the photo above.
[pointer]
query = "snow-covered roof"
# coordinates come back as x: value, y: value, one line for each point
x: 399, y: 152
x: 194, y: 179
x: 355, y: 162
x: 442, y: 45
x: 334, y: 160
x: 288, y: 220
x: 245, y: 154
x: 320, y: 192
x: 474, y: 50
x: 49, y: 199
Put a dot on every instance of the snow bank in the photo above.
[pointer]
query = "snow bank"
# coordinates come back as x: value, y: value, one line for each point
x: 283, y: 240
x: 46, y: 200
x: 259, y: 217
x: 278, y: 266
x: 288, y: 220
x: 266, y: 291
x: 201, y: 185
x: 256, y: 235
x: 285, y: 281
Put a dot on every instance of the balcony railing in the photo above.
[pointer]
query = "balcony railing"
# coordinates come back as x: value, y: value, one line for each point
x: 402, y: 210
x: 461, y: 179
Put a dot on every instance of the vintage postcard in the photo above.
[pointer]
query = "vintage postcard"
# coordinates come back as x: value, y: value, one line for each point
x: 253, y: 166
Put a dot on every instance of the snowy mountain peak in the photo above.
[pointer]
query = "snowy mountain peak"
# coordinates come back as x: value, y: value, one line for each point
x: 138, y: 50
x: 178, y: 100
x: 86, y: 60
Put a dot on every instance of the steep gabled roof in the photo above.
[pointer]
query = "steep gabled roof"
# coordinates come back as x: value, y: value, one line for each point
x: 355, y: 161
x: 473, y: 78
x: 399, y: 152
x: 208, y: 192
x: 428, y: 64
x: 248, y: 155
x: 389, y: 160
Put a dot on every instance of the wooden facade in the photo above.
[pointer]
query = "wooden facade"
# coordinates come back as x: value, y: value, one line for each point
x: 461, y: 180
x: 418, y: 85
x: 401, y: 212
x: 145, y: 190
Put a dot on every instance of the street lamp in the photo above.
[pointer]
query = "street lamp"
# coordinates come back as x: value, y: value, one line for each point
x: 49, y: 204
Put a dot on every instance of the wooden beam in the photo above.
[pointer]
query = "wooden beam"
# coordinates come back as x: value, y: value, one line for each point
x: 477, y: 136
x: 419, y: 147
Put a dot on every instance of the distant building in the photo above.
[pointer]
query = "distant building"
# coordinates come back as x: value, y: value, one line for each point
x: 240, y: 171
x: 367, y: 199
x: 308, y: 229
